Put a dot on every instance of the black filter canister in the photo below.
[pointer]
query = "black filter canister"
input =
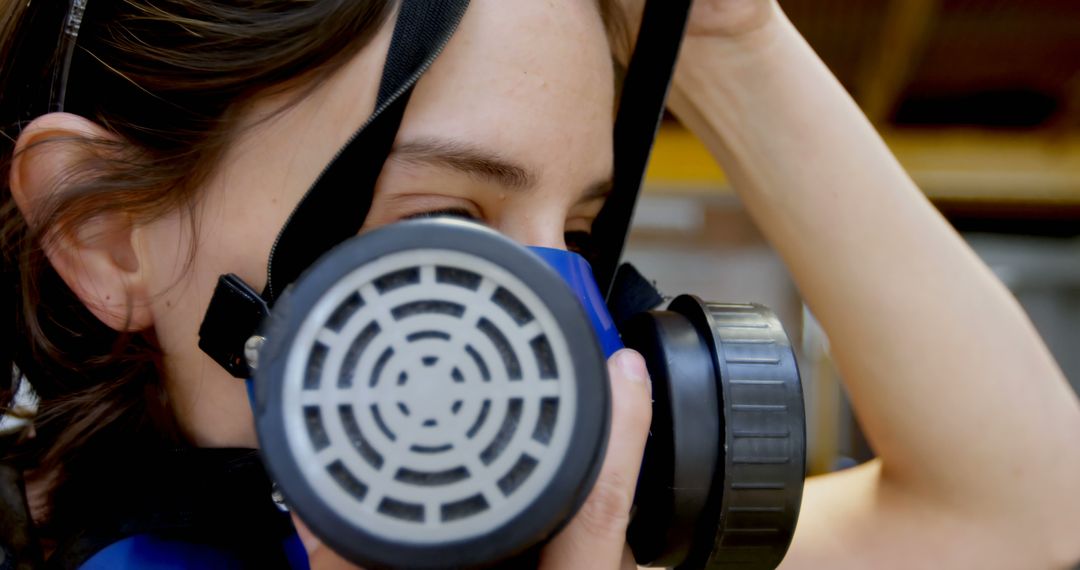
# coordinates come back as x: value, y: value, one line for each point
x: 684, y: 446
x: 723, y: 472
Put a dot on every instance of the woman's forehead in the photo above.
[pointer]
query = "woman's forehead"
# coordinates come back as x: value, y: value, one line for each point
x: 531, y: 81
x: 530, y: 78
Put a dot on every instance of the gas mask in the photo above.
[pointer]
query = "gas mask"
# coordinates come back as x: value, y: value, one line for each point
x: 432, y: 394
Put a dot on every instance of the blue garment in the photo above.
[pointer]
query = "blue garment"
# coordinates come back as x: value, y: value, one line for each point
x: 149, y: 552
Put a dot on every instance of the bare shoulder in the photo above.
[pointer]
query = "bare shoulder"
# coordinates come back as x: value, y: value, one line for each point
x: 858, y: 518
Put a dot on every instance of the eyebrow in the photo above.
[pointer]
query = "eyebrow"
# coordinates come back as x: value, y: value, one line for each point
x: 480, y: 163
x: 467, y: 159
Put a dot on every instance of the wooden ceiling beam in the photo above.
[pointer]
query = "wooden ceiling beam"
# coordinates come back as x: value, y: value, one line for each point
x: 954, y: 165
x: 889, y: 62
x: 998, y: 167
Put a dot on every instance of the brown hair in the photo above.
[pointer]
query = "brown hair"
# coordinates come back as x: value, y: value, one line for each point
x: 169, y: 79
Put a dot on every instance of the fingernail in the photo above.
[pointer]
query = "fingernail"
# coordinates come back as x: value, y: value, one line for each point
x: 632, y: 365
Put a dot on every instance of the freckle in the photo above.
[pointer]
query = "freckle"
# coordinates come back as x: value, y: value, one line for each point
x: 168, y: 304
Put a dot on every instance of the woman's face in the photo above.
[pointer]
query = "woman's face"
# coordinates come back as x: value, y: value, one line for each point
x: 511, y: 125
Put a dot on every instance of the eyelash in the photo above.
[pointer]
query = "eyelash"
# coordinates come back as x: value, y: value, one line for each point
x: 580, y: 242
x: 447, y: 212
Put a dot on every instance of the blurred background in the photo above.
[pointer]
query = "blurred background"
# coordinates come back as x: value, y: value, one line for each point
x: 979, y: 99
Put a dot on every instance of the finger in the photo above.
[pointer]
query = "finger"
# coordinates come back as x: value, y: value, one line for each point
x: 596, y: 536
x: 320, y: 557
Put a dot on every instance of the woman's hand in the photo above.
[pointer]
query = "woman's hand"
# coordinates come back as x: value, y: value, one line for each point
x: 596, y: 537
x: 729, y: 18
x: 720, y: 18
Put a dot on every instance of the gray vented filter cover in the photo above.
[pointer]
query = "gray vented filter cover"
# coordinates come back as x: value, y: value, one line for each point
x: 430, y: 409
x: 430, y: 395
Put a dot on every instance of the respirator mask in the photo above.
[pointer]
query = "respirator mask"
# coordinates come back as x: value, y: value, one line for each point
x: 432, y: 394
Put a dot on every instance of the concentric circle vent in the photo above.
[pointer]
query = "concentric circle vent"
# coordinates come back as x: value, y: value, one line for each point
x: 429, y: 396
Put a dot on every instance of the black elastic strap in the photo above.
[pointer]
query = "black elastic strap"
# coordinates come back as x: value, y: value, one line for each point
x: 331, y: 212
x: 335, y: 207
x: 641, y: 107
x: 337, y: 204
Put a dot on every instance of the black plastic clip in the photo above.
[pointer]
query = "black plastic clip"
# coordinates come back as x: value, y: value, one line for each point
x: 235, y: 314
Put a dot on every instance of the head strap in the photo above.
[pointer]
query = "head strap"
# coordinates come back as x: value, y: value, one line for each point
x: 648, y: 79
x: 336, y: 206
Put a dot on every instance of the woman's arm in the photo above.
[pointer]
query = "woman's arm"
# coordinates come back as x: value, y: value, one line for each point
x: 977, y: 431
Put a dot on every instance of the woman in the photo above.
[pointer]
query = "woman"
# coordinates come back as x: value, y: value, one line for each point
x: 210, y: 134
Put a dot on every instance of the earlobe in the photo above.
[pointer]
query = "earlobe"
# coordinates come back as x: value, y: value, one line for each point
x: 97, y: 260
x: 100, y: 265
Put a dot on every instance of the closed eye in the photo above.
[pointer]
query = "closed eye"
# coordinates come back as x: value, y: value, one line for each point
x: 580, y: 242
x: 445, y: 212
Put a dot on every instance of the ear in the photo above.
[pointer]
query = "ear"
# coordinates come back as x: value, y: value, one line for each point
x: 98, y: 260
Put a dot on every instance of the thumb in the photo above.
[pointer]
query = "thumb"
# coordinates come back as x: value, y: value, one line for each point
x: 320, y: 557
x: 596, y: 536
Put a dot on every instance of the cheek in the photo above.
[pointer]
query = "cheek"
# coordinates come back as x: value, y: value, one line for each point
x: 186, y: 252
x: 168, y: 256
